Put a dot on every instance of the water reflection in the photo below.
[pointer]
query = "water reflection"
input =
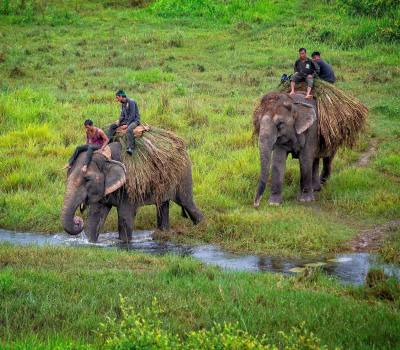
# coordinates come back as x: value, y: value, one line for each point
x: 349, y: 268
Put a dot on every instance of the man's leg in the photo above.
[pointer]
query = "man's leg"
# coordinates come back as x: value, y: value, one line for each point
x: 78, y: 151
x: 296, y: 78
x: 89, y: 156
x: 131, y: 138
x: 111, y: 131
x: 310, y: 84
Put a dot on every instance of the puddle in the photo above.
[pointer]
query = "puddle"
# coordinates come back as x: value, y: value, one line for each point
x: 348, y: 267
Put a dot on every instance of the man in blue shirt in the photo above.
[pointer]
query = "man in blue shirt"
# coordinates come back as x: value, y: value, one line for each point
x: 128, y: 119
x: 325, y: 70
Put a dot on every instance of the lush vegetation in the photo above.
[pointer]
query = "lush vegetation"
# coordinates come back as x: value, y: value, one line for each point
x: 390, y: 250
x: 197, y: 68
x: 65, y: 298
x: 200, y: 75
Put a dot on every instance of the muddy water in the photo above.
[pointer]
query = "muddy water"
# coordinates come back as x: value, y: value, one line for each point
x: 349, y: 268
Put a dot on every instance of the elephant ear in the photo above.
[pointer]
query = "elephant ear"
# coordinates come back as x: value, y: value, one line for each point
x: 115, y: 176
x: 304, y: 116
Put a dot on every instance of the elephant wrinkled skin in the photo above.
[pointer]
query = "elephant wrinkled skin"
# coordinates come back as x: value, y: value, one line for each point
x: 102, y: 187
x: 284, y: 125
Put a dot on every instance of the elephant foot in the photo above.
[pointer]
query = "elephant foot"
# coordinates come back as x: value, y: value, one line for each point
x: 124, y: 238
x: 306, y: 197
x: 256, y: 203
x: 199, y: 218
x: 323, y: 180
x: 275, y: 199
x: 317, y: 187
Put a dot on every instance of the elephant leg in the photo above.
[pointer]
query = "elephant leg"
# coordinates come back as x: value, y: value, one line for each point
x: 306, y: 167
x: 315, y: 176
x: 183, y: 213
x: 125, y: 222
x: 326, y: 169
x: 163, y: 216
x: 97, y: 216
x: 189, y: 209
x: 278, y: 172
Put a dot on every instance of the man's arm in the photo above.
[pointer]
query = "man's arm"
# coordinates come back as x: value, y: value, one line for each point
x: 316, y: 67
x: 295, y: 66
x: 133, y: 111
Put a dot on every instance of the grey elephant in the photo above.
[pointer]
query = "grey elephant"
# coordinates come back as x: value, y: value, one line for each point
x: 288, y: 124
x: 102, y: 186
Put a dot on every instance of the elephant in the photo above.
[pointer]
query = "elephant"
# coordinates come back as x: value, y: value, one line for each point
x: 102, y: 186
x: 288, y: 124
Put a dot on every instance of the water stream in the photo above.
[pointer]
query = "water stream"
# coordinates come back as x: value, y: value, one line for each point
x: 347, y: 267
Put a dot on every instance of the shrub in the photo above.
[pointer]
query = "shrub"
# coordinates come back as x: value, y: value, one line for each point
x: 143, y: 330
x: 381, y: 286
x: 372, y: 8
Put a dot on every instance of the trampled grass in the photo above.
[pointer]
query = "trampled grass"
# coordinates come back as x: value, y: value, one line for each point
x: 200, y: 75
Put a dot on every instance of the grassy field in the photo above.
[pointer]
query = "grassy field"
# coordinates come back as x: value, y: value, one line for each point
x: 59, y: 296
x: 199, y: 74
x: 197, y: 68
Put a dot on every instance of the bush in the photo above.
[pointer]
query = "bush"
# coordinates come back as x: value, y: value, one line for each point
x: 144, y: 331
x: 372, y: 8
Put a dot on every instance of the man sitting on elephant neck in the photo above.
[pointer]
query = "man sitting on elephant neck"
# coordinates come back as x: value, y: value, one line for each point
x: 304, y: 70
x: 129, y: 119
x: 95, y: 139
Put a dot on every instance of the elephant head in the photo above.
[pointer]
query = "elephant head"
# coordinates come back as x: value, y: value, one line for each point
x: 280, y: 120
x: 101, y: 178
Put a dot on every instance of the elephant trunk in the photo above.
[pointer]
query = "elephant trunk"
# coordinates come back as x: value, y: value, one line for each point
x: 267, y: 139
x: 73, y: 198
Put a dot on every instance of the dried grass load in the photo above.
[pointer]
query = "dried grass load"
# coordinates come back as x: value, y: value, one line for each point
x: 341, y: 116
x: 156, y: 165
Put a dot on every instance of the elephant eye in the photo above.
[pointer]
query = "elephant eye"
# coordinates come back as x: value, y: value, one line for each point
x: 280, y: 125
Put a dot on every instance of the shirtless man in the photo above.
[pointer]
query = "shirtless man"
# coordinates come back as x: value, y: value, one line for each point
x: 95, y: 139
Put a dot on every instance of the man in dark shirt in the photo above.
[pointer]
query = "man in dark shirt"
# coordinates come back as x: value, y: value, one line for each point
x: 304, y: 70
x: 128, y: 119
x: 325, y: 70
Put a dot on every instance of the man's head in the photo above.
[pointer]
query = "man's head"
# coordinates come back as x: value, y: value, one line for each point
x: 120, y: 95
x: 316, y: 56
x: 88, y: 124
x: 302, y: 53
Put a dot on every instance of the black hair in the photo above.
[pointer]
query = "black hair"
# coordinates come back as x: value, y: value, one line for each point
x: 302, y: 49
x: 315, y: 53
x: 120, y: 93
x: 88, y: 122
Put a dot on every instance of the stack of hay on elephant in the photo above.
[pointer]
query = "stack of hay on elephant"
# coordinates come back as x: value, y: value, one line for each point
x: 158, y: 171
x: 309, y: 129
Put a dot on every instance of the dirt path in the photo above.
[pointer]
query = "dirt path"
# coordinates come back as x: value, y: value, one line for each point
x: 371, y: 239
x: 365, y: 157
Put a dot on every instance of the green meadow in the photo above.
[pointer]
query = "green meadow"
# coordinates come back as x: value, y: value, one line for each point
x: 197, y: 68
x: 57, y: 298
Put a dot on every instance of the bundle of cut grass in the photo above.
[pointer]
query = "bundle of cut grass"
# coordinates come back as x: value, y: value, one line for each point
x: 341, y: 116
x: 157, y: 163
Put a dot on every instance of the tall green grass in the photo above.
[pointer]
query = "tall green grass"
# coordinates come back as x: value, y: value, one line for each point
x: 201, y: 78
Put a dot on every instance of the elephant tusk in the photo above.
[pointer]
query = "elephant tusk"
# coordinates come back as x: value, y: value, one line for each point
x: 82, y: 207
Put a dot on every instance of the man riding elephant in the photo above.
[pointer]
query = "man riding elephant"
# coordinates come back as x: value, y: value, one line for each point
x: 129, y: 119
x: 304, y: 70
x: 110, y: 183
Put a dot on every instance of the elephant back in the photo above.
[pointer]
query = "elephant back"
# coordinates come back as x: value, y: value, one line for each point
x: 157, y: 165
